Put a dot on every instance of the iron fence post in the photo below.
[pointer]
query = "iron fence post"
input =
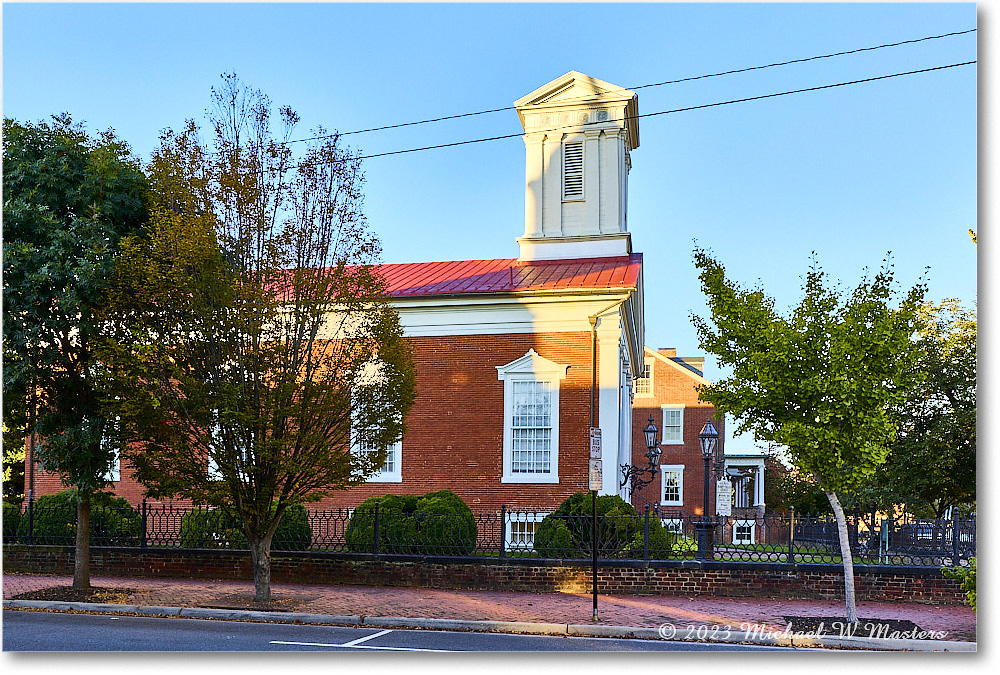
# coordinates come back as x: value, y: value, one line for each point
x: 645, y: 536
x: 503, y: 530
x: 375, y: 546
x: 142, y: 542
x: 31, y: 519
x: 955, y: 524
x: 791, y: 535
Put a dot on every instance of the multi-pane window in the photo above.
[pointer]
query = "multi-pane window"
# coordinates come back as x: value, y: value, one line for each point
x: 644, y: 383
x: 522, y: 535
x: 672, y: 492
x: 115, y: 468
x: 673, y: 424
x: 743, y: 532
x: 573, y: 170
x: 531, y: 419
x: 531, y: 427
x: 390, y: 471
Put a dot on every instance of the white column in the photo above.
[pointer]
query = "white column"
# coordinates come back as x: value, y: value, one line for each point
x: 592, y: 181
x: 609, y: 334
x: 611, y: 182
x: 533, y: 185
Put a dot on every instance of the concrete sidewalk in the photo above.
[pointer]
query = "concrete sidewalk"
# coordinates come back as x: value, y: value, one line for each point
x: 674, y: 616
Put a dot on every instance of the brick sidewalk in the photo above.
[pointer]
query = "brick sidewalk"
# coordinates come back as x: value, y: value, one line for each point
x: 958, y: 622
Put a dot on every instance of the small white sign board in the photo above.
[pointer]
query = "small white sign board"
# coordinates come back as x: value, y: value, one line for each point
x: 596, y: 474
x: 595, y: 443
x: 724, y: 497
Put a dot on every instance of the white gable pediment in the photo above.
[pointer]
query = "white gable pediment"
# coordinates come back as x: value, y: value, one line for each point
x: 533, y: 363
x: 574, y: 87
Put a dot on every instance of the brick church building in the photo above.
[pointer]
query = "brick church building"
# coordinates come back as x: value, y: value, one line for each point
x: 505, y: 348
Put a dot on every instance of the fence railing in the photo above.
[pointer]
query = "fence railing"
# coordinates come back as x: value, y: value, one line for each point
x: 518, y: 533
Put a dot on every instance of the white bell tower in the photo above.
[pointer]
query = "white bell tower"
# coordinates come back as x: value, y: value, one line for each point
x: 578, y: 133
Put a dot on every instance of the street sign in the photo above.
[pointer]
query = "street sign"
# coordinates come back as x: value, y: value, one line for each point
x: 596, y: 474
x: 724, y: 497
x: 595, y: 443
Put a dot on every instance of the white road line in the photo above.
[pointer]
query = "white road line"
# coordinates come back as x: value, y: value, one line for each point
x: 366, y: 638
x: 356, y: 646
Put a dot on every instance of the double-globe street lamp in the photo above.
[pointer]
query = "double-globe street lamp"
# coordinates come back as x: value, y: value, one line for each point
x: 708, y: 440
x: 634, y: 476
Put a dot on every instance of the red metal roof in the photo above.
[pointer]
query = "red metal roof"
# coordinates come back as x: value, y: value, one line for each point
x: 510, y: 275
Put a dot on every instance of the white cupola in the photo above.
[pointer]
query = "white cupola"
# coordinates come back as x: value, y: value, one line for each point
x: 578, y: 133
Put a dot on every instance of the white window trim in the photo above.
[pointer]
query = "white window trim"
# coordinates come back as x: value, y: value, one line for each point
x: 114, y: 473
x: 752, y: 524
x: 664, y: 470
x: 675, y: 525
x: 508, y: 543
x: 530, y: 367
x: 663, y: 421
x: 647, y: 363
x: 395, y: 451
x: 575, y: 140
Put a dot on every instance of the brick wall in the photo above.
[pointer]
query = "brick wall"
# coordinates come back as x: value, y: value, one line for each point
x: 455, y: 427
x: 674, y: 387
x: 652, y: 578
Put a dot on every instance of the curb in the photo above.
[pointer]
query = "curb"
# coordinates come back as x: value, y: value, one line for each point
x: 775, y: 638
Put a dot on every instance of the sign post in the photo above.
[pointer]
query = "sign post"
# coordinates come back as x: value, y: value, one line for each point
x: 596, y: 482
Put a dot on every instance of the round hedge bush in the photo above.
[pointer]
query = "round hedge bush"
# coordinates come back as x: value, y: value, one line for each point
x: 568, y: 531
x: 214, y: 528
x: 113, y: 521
x: 11, y: 518
x: 438, y: 523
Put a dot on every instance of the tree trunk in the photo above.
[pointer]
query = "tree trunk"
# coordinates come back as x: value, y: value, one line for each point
x: 260, y: 553
x: 846, y: 556
x: 81, y: 565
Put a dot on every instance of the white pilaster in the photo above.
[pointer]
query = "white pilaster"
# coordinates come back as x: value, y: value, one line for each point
x: 609, y: 335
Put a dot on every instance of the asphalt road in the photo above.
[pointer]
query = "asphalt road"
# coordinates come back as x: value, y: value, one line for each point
x: 50, y: 631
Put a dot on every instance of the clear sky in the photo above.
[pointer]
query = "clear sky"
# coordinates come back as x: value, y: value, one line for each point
x: 849, y: 172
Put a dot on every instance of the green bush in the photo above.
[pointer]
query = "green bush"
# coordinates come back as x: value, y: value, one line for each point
x: 439, y: 523
x: 11, y: 518
x: 568, y: 531
x: 214, y: 528
x: 113, y: 521
x: 967, y: 575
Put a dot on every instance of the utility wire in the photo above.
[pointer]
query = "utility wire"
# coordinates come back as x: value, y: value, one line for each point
x: 675, y: 110
x: 645, y: 86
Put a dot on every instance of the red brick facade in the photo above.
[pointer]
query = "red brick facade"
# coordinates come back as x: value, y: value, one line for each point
x: 455, y: 427
x: 673, y: 384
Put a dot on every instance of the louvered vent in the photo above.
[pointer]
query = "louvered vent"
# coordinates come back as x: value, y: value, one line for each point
x: 573, y: 170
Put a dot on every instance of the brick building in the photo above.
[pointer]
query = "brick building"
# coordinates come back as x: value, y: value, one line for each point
x: 503, y: 348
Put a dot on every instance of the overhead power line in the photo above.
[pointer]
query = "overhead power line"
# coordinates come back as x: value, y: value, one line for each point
x: 645, y: 86
x: 676, y: 110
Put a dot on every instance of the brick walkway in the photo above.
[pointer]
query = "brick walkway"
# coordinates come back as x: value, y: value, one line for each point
x: 959, y: 622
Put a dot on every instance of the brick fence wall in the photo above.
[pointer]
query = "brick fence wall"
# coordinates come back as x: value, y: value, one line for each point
x: 640, y: 578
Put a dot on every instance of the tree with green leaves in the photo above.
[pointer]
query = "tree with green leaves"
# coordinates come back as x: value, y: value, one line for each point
x: 932, y: 466
x: 260, y: 361
x: 823, y: 381
x: 68, y: 200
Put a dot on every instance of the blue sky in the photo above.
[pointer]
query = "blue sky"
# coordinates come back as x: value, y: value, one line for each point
x: 850, y: 172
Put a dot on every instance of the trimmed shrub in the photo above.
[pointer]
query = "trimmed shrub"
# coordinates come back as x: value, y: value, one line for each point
x: 568, y: 531
x: 214, y: 528
x: 11, y: 518
x: 438, y: 523
x: 113, y: 521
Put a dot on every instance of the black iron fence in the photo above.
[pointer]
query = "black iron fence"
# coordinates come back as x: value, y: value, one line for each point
x: 517, y: 533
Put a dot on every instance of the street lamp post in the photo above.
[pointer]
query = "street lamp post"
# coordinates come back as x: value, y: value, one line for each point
x: 708, y: 440
x: 634, y: 476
